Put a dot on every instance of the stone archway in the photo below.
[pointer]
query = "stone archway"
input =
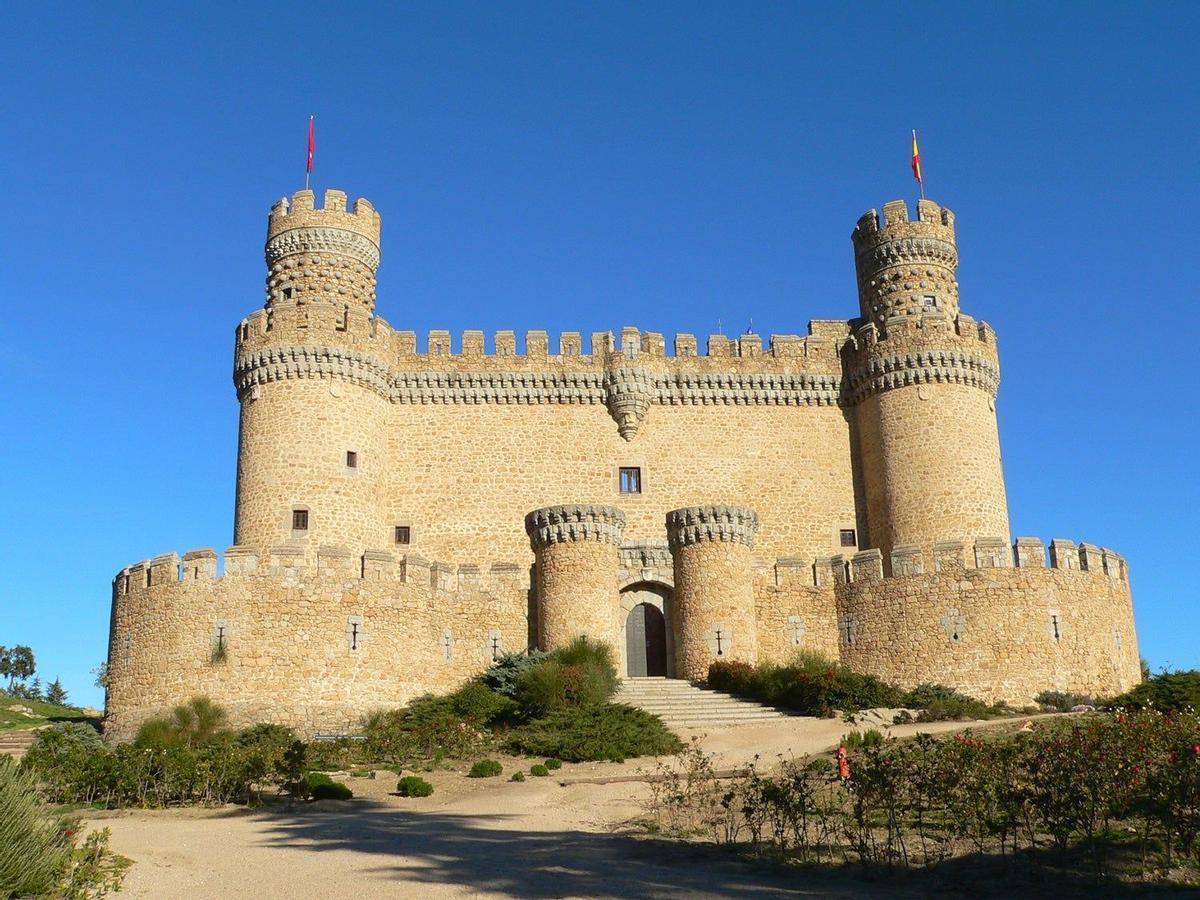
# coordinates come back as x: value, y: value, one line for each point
x: 648, y: 646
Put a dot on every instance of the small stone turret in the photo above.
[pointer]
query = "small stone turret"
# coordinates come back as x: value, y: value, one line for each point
x: 325, y: 255
x: 577, y: 572
x: 906, y: 268
x: 714, y: 594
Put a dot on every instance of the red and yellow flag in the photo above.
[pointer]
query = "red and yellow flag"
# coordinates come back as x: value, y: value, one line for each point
x: 916, y: 160
x: 312, y: 143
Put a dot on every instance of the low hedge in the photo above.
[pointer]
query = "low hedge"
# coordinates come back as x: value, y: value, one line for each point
x: 413, y: 786
x: 600, y: 732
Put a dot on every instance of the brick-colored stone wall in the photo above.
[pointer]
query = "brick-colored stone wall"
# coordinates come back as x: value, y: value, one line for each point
x: 287, y: 634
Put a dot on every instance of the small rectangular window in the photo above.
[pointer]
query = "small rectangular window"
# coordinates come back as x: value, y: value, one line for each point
x: 287, y: 293
x: 848, y: 537
x: 351, y: 459
x: 403, y: 534
x: 631, y: 480
x: 299, y: 520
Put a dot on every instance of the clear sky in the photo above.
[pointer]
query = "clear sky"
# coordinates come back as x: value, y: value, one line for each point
x: 583, y: 167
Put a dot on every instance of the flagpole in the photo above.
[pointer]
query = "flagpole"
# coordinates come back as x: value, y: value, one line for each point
x: 309, y: 159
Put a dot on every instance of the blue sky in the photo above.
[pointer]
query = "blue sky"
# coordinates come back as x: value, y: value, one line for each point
x: 583, y: 167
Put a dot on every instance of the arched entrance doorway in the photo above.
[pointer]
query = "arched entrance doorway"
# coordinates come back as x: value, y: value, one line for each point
x: 645, y: 642
x: 646, y: 638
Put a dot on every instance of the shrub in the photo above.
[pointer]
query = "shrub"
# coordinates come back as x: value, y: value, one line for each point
x: 197, y: 723
x: 580, y: 674
x: 485, y: 768
x: 1166, y: 692
x: 480, y: 703
x: 33, y: 848
x: 869, y: 738
x: 552, y: 763
x: 271, y: 753
x: 502, y: 676
x: 428, y: 728
x: 517, y: 776
x: 539, y: 770
x: 413, y: 786
x: 604, y: 732
x: 809, y: 684
x: 305, y: 786
x: 332, y: 791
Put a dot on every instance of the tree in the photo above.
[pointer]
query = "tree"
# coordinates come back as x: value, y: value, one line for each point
x: 56, y: 693
x: 101, y: 673
x: 6, y: 665
x: 21, y: 664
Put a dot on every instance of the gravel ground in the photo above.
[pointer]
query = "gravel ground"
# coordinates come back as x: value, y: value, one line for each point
x: 472, y: 838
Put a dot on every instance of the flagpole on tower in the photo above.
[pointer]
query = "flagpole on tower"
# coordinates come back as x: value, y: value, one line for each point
x: 312, y: 145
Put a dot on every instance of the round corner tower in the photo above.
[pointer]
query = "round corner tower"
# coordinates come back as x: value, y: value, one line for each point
x: 922, y: 380
x: 311, y: 449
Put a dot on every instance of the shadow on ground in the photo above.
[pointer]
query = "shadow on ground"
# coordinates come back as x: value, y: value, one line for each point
x: 478, y: 853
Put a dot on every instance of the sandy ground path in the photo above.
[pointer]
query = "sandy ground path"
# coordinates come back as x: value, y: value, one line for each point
x: 536, y: 839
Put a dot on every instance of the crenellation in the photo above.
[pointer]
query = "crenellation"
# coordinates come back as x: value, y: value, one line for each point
x: 1091, y: 558
x: 1029, y: 553
x: 867, y: 565
x: 685, y: 346
x: 949, y: 556
x: 199, y: 565
x: 1064, y: 554
x: 992, y: 553
x: 907, y: 560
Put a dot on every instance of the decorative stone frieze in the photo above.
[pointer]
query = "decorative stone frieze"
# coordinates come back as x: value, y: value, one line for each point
x: 320, y: 239
x: 574, y: 522
x: 646, y: 555
x: 884, y: 373
x: 288, y: 362
x: 717, y: 522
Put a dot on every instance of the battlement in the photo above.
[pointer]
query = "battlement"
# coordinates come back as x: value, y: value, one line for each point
x: 301, y: 212
x: 895, y: 222
x: 288, y: 563
x: 329, y: 320
x: 950, y: 557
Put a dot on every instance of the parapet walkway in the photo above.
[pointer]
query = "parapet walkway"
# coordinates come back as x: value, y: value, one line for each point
x: 681, y: 704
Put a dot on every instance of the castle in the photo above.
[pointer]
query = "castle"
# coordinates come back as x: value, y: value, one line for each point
x: 407, y: 512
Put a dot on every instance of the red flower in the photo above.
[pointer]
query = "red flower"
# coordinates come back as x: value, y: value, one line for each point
x: 1196, y: 749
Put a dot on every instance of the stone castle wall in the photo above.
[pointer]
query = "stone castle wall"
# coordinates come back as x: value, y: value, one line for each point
x: 754, y: 458
x: 312, y: 647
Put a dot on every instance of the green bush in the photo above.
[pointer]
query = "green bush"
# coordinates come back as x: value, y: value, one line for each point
x: 332, y: 791
x: 271, y: 753
x: 33, y: 848
x: 541, y: 689
x: 869, y: 738
x: 191, y: 725
x: 580, y: 674
x: 413, y: 786
x: 485, y: 768
x: 502, y: 676
x: 517, y: 776
x: 552, y: 763
x: 808, y: 684
x: 480, y: 703
x: 1165, y: 692
x: 600, y: 732
x: 539, y: 770
x: 429, y: 728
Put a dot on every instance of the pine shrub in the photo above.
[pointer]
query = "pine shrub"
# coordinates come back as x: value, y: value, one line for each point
x: 608, y: 731
x: 413, y: 786
x: 485, y: 768
x: 538, y: 770
x: 332, y: 791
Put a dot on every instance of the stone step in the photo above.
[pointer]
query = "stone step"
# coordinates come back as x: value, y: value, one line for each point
x: 681, y: 704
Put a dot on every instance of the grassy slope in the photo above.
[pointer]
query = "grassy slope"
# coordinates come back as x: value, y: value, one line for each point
x: 42, y: 713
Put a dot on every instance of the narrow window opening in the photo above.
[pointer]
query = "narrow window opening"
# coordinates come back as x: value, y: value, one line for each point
x: 299, y: 520
x: 353, y: 635
x: 930, y: 302
x: 720, y: 635
x: 631, y: 480
x: 494, y: 644
x: 287, y: 293
x: 126, y: 591
x: 1054, y: 625
x: 848, y: 537
x: 149, y: 577
x: 351, y: 459
x: 403, y: 534
x: 245, y: 332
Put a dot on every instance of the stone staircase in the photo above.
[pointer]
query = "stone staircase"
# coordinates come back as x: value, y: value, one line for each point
x: 681, y: 704
x: 14, y: 743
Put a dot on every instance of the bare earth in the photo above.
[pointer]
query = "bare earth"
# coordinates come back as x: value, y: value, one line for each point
x: 472, y: 838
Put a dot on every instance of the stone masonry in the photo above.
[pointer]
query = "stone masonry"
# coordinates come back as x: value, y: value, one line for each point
x: 408, y: 510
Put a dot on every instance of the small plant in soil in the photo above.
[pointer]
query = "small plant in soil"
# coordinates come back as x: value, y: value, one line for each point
x: 485, y: 768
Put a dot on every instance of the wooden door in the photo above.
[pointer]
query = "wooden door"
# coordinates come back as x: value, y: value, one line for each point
x: 645, y: 642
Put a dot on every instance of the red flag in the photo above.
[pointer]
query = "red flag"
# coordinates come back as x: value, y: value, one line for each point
x: 312, y: 143
x: 916, y: 161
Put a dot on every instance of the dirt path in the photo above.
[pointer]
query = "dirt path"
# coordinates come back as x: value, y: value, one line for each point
x: 470, y: 839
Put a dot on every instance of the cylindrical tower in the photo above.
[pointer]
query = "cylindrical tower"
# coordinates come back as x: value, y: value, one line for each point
x: 312, y: 384
x: 714, y: 589
x: 922, y: 379
x: 578, y: 564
